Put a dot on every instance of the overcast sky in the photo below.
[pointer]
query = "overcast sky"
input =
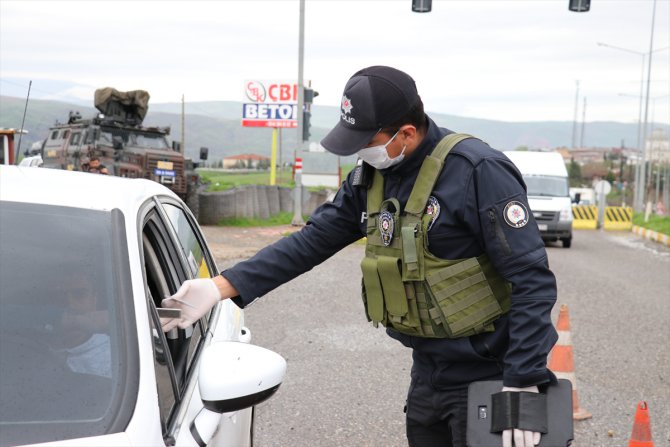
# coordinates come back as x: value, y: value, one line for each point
x: 497, y: 59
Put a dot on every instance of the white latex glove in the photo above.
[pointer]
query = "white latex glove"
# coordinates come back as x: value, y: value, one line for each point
x: 522, y: 438
x: 194, y: 298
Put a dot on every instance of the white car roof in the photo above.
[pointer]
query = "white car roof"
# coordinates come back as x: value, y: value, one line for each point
x: 76, y: 189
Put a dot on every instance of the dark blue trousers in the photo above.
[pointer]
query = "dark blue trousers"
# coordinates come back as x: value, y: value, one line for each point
x: 436, y: 418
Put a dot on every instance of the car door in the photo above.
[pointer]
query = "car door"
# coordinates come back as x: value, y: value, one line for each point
x: 175, y: 352
x: 181, y: 251
x: 227, y: 325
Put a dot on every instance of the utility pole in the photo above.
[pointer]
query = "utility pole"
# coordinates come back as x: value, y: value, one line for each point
x: 643, y: 168
x: 297, y: 202
x: 23, y: 122
x: 581, y: 136
x: 281, y: 158
x: 183, y: 132
x: 574, y: 120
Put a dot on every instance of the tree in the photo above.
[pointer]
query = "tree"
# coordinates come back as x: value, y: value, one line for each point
x: 264, y: 164
x: 574, y: 173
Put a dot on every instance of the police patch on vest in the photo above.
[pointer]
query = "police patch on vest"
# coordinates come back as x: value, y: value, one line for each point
x: 386, y: 227
x: 433, y: 210
x: 515, y: 214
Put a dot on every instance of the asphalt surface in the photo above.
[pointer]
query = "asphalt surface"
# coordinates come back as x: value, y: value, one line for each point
x: 346, y: 381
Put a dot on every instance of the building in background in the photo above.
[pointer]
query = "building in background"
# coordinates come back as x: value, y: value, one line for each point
x: 246, y: 161
x: 658, y: 146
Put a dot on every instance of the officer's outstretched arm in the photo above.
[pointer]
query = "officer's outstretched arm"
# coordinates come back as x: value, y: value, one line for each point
x: 195, y: 298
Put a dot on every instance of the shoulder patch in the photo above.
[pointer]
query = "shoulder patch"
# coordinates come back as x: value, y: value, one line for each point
x: 515, y: 214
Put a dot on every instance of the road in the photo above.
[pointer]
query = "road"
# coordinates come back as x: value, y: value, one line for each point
x: 346, y: 381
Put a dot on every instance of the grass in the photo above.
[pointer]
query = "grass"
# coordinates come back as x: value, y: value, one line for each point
x: 283, y: 218
x: 223, y: 181
x: 346, y: 169
x: 660, y: 224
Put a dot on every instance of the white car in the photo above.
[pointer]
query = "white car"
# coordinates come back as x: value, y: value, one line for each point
x: 85, y: 260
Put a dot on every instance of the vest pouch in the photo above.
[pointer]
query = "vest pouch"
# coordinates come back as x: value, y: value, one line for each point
x: 462, y: 299
x: 412, y: 252
x: 393, y: 288
x: 373, y: 297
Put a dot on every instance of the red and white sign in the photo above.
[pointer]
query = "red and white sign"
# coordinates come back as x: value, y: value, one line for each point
x: 270, y: 104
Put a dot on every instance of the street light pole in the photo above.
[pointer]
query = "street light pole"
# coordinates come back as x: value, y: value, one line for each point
x: 638, y: 196
x: 297, y: 197
x: 643, y: 168
x: 640, y: 142
x: 574, y: 119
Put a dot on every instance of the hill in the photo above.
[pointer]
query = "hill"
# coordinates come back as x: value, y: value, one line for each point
x: 216, y: 125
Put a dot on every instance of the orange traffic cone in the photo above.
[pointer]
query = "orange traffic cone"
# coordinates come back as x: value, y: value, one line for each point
x: 641, y: 436
x: 561, y: 361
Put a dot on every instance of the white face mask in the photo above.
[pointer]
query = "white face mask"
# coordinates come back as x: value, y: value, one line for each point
x: 378, y: 157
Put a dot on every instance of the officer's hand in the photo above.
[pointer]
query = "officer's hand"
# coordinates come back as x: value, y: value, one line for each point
x: 194, y: 298
x: 522, y: 438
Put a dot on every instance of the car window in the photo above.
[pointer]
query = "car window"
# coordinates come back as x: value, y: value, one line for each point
x: 68, y: 349
x: 157, y: 286
x: 192, y: 242
x: 200, y: 263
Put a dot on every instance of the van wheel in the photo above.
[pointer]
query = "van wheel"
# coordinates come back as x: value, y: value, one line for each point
x: 567, y: 242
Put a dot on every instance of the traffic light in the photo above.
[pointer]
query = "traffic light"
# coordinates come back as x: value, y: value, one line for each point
x: 422, y: 5
x: 580, y: 5
x: 310, y: 94
x: 305, y: 125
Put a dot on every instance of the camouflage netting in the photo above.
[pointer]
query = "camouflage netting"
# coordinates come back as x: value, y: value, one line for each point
x: 127, y: 106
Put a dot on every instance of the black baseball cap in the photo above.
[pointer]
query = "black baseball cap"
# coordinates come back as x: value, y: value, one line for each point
x: 374, y: 98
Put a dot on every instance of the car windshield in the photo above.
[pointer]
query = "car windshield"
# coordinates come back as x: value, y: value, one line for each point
x: 141, y: 139
x: 65, y: 306
x: 542, y: 185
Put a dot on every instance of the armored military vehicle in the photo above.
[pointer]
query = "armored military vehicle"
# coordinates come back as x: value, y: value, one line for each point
x: 117, y: 138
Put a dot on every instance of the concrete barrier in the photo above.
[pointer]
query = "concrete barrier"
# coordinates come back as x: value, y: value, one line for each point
x: 584, y: 217
x: 618, y: 218
x: 255, y: 201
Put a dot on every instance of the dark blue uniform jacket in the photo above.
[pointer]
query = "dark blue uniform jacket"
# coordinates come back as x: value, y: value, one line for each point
x: 476, y: 184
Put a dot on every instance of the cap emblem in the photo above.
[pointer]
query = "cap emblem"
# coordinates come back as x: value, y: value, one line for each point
x: 346, y: 104
x: 346, y: 110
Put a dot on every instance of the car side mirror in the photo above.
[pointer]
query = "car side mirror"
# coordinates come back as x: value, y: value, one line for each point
x: 578, y: 197
x: 234, y: 376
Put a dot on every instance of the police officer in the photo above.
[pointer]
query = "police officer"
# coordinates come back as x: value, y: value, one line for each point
x: 455, y: 267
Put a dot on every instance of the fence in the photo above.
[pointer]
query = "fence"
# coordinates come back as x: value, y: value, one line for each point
x: 254, y: 201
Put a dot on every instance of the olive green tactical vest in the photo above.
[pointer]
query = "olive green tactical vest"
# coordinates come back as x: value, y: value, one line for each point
x: 408, y: 288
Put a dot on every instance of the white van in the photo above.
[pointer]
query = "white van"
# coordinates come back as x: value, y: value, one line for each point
x: 548, y: 192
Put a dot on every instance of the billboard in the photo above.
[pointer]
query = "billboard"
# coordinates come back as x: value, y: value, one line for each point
x: 270, y: 104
